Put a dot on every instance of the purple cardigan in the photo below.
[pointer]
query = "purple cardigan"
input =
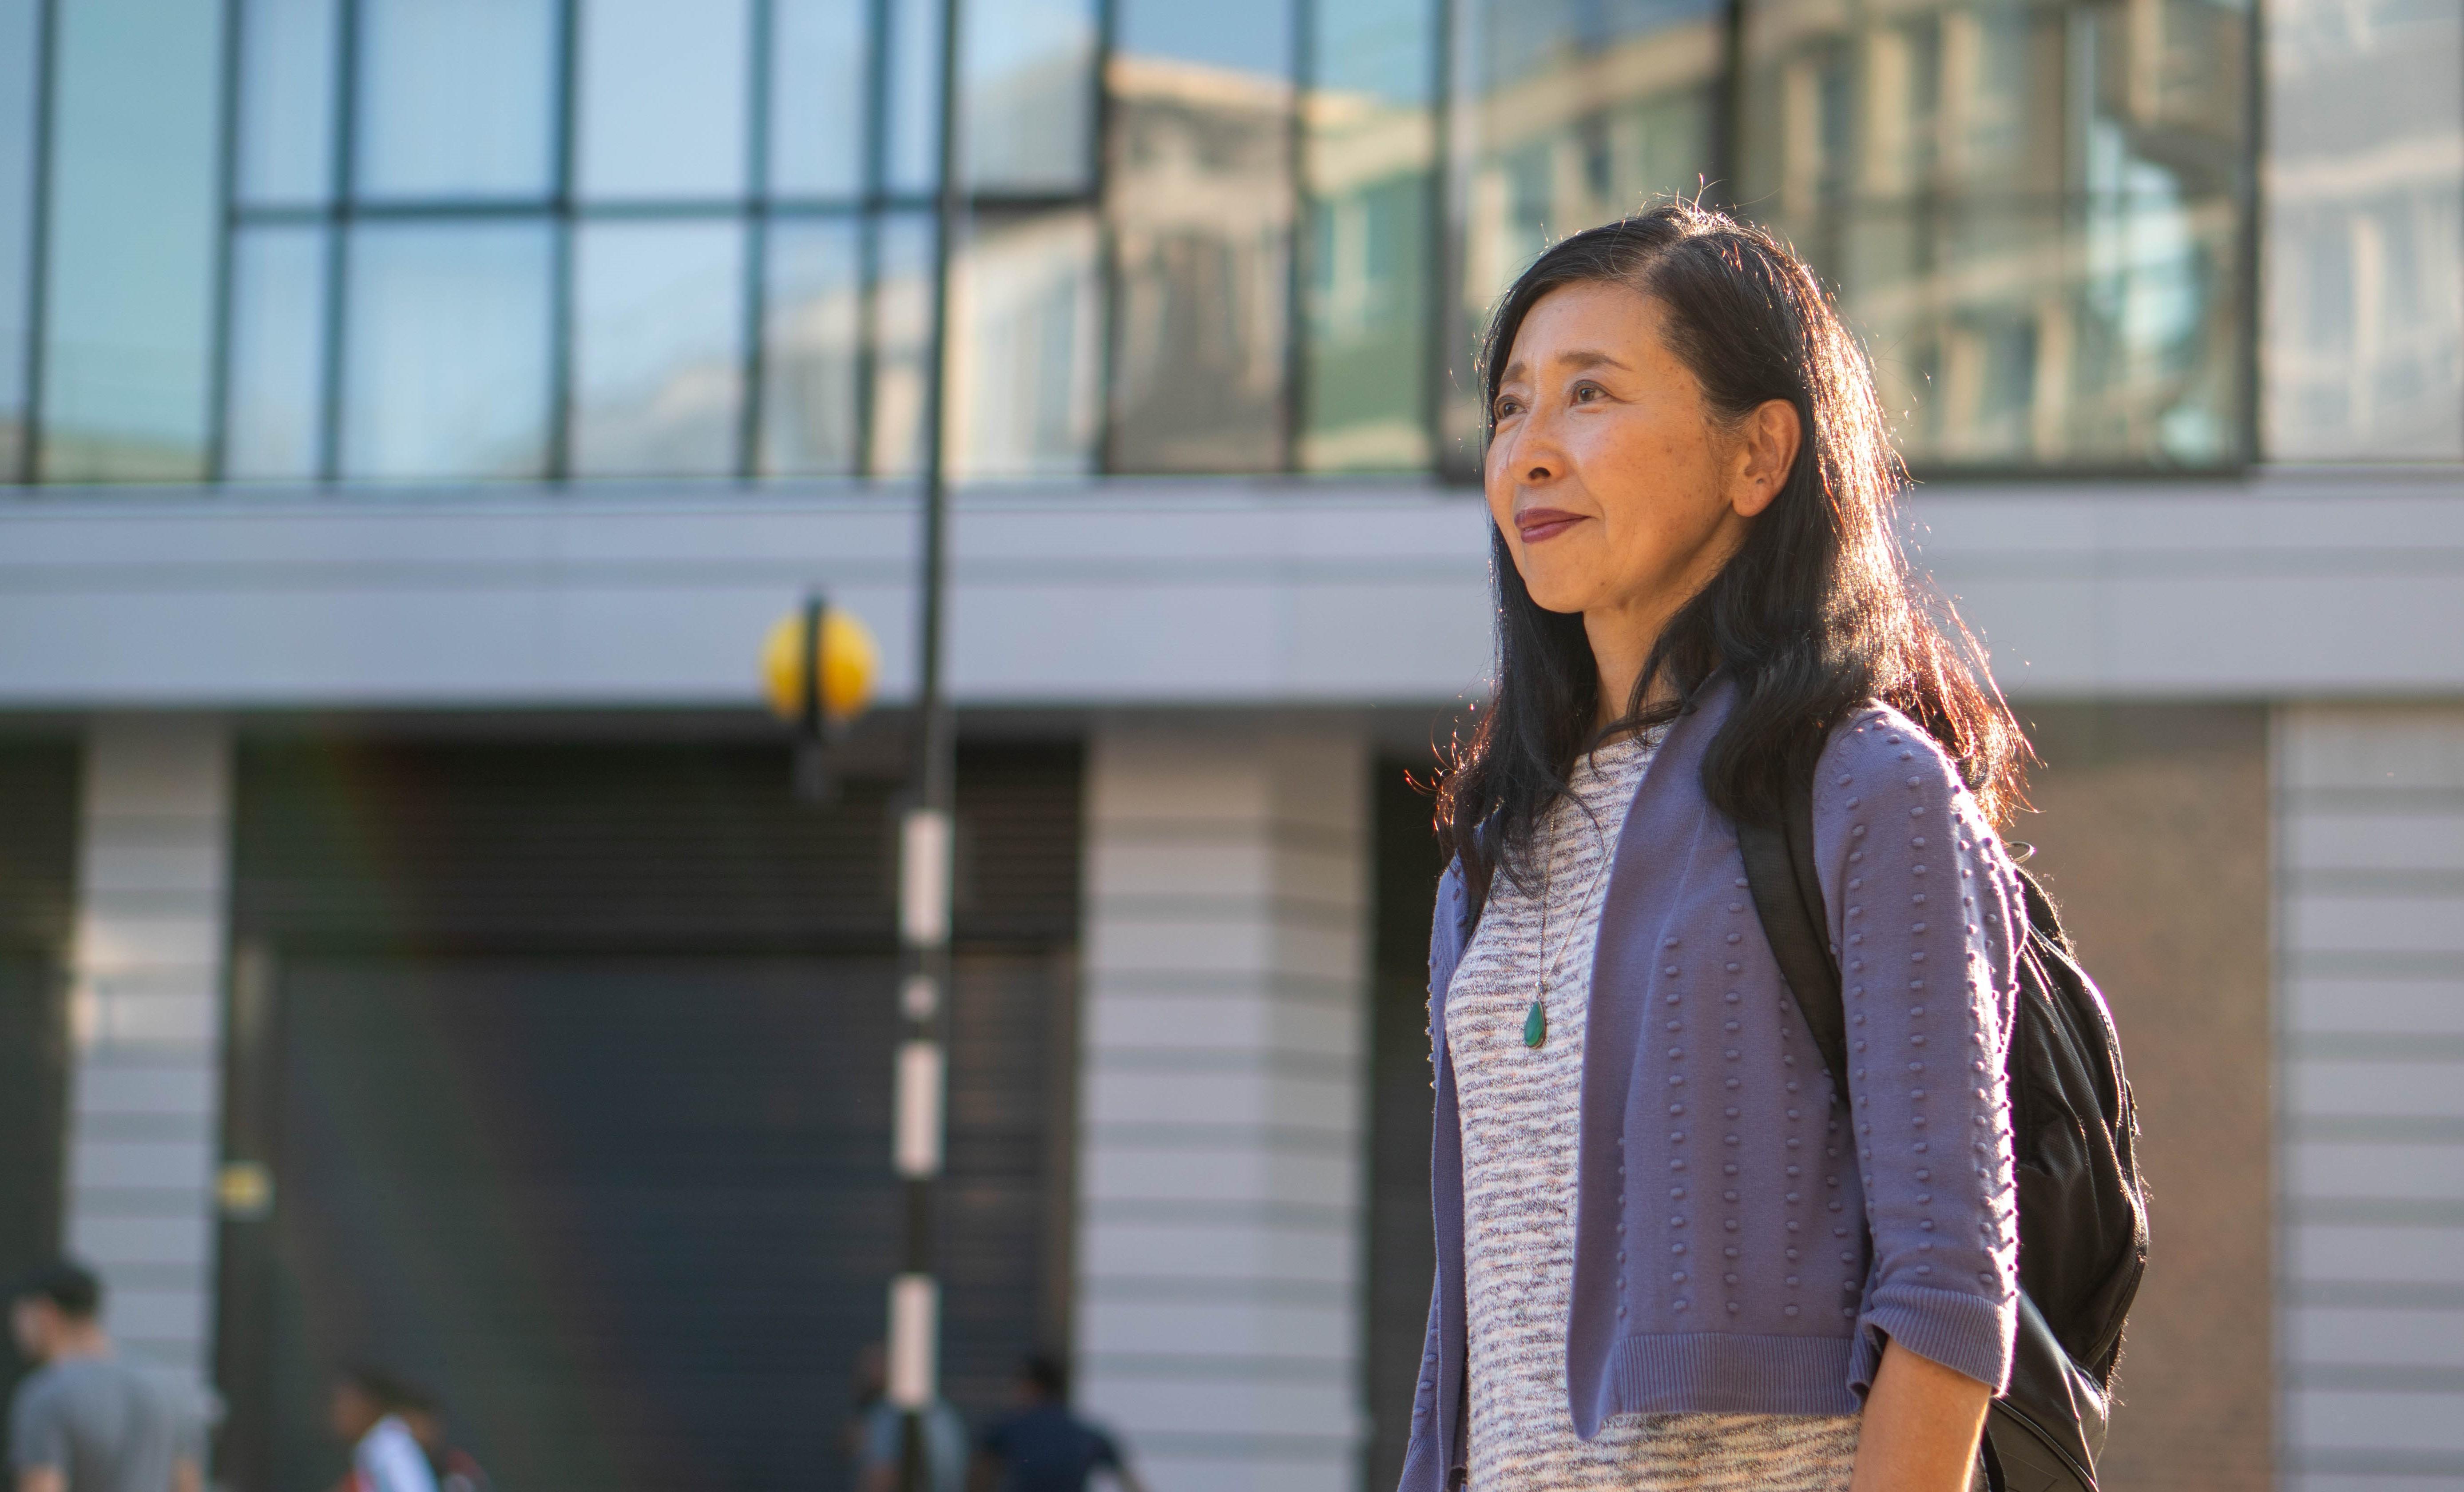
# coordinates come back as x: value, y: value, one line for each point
x: 1767, y: 1246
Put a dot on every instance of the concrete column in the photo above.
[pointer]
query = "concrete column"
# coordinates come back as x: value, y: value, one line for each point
x: 2369, y: 854
x: 1224, y: 1090
x: 147, y: 1019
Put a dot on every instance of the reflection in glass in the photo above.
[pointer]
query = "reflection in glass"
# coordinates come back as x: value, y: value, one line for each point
x: 456, y: 98
x: 20, y: 23
x: 1030, y: 94
x: 2365, y: 208
x: 658, y: 364
x: 910, y: 115
x: 446, y: 350
x: 277, y: 303
x: 286, y: 100
x: 902, y: 322
x: 1024, y: 354
x: 127, y: 333
x: 1577, y: 113
x: 663, y: 97
x: 817, y: 97
x: 808, y: 364
x: 2032, y: 216
x: 1369, y: 162
x: 1200, y: 198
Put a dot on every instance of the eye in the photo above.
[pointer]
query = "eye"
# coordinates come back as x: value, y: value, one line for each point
x: 1586, y: 392
x: 1508, y: 406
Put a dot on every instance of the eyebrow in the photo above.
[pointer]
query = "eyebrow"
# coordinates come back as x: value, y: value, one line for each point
x: 1581, y: 359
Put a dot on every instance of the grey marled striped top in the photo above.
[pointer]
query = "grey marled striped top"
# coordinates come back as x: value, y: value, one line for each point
x: 1520, y: 1113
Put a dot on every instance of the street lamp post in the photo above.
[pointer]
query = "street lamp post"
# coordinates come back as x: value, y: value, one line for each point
x: 926, y: 849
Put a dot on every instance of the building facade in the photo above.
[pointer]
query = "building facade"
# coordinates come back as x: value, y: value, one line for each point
x: 413, y: 412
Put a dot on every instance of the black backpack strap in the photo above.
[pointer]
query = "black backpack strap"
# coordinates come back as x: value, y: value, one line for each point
x: 1787, y: 897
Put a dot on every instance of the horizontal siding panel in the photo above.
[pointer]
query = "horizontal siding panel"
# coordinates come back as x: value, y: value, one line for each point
x: 2407, y: 1338
x: 2387, y: 924
x: 2317, y: 1088
x: 2427, y: 839
x: 2395, y: 1006
x: 2409, y: 1173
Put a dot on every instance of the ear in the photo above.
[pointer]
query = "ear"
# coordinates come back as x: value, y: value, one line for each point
x: 1767, y: 445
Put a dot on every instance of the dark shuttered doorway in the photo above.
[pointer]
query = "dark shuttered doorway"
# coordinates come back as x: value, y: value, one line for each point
x: 38, y: 806
x: 570, y: 1064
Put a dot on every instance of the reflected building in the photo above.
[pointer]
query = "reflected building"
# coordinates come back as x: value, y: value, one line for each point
x: 413, y: 412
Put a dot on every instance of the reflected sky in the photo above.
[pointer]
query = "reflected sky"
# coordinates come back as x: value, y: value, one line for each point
x: 657, y: 362
x: 277, y: 290
x: 18, y: 20
x: 1243, y: 38
x: 663, y: 102
x: 445, y: 368
x: 286, y: 113
x: 454, y: 98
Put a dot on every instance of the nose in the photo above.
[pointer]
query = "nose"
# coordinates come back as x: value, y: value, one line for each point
x: 1532, y: 456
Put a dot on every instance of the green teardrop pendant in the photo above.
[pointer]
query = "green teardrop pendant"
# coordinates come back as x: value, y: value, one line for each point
x: 1535, y: 1025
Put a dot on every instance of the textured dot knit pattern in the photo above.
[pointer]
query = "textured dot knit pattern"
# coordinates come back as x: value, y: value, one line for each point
x: 1520, y: 1121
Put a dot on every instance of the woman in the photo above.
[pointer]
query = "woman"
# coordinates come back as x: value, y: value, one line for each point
x: 1668, y: 1254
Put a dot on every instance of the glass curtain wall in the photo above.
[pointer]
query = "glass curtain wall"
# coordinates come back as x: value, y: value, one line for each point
x: 1369, y: 250
x: 1569, y: 112
x: 480, y: 240
x: 21, y: 54
x: 2035, y: 214
x: 472, y: 240
x: 1200, y: 200
x: 2365, y: 230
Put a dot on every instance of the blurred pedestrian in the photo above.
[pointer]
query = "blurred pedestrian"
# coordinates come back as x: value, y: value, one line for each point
x: 877, y: 1436
x: 368, y: 1411
x: 456, y: 1469
x: 84, y: 1421
x: 1042, y: 1446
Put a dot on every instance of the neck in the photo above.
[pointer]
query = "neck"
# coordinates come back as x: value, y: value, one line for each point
x: 80, y: 1338
x: 1621, y: 643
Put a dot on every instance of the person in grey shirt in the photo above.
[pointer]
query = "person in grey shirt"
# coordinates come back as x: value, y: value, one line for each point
x: 84, y: 1421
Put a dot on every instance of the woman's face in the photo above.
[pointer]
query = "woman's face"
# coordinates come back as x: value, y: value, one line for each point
x: 1619, y: 493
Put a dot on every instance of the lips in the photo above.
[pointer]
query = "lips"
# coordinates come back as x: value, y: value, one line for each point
x: 1537, y: 523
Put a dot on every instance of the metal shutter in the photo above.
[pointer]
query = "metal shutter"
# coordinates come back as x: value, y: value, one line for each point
x: 572, y: 1065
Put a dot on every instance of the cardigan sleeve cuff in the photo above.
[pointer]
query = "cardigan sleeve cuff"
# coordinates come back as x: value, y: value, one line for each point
x: 1967, y: 1334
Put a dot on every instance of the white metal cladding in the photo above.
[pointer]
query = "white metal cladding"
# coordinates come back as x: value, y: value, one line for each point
x: 2321, y: 583
x: 2370, y: 855
x: 146, y: 1027
x: 1223, y: 1098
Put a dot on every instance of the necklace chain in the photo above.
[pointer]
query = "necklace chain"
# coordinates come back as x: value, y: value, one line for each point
x: 1545, y: 965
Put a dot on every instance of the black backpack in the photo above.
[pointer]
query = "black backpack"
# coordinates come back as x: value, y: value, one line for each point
x: 2083, y: 1207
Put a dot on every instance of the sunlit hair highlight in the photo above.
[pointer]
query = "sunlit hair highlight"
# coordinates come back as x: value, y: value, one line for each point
x: 1817, y: 612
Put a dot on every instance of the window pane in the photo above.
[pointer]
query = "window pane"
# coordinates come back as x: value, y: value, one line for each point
x: 457, y: 97
x: 911, y: 113
x: 817, y: 97
x: 1030, y: 94
x: 132, y: 240
x: 286, y: 112
x: 2364, y: 308
x: 446, y: 349
x: 902, y: 322
x: 278, y: 313
x: 20, y: 22
x: 663, y: 97
x: 657, y: 349
x: 1201, y: 201
x: 808, y: 366
x: 1370, y: 156
x: 1575, y: 114
x: 2032, y: 214
x: 1024, y: 360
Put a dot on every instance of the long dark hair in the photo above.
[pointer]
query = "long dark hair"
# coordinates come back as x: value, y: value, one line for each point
x: 1815, y: 615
